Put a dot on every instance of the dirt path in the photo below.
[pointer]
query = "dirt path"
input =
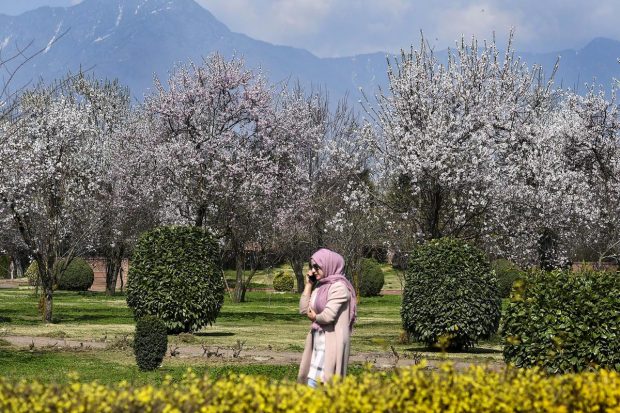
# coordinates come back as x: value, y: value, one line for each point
x: 254, y: 356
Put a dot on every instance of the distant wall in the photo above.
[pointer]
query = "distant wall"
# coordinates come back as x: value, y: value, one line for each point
x: 99, y: 267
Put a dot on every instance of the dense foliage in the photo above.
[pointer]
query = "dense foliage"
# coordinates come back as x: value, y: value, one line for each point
x: 175, y: 276
x: 412, y: 389
x: 564, y: 322
x: 507, y: 273
x: 150, y: 342
x: 78, y: 276
x: 283, y: 281
x: 371, y: 279
x: 451, y: 296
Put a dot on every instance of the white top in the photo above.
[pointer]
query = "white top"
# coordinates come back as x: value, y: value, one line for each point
x: 318, y: 350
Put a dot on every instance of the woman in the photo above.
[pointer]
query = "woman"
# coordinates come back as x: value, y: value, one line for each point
x: 331, y: 307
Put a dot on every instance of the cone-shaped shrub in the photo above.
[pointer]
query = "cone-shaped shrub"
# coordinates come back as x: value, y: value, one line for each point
x: 32, y: 273
x: 175, y: 276
x: 451, y: 296
x: 150, y: 342
x: 371, y: 279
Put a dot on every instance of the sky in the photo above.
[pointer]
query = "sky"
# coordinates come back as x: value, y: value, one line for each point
x: 331, y: 28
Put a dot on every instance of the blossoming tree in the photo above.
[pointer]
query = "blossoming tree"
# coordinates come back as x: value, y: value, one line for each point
x: 221, y: 159
x: 52, y: 176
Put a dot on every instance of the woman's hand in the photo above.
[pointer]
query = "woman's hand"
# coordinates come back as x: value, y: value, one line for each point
x: 311, y: 314
x: 308, y: 285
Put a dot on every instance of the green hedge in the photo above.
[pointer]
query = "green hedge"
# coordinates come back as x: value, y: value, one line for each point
x: 451, y: 295
x: 283, y: 281
x: 175, y: 276
x: 563, y: 321
x: 371, y: 279
x: 150, y: 342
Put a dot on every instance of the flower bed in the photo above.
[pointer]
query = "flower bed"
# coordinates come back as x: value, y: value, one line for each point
x: 414, y: 390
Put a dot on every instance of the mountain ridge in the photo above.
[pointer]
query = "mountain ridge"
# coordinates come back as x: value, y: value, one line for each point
x: 134, y: 40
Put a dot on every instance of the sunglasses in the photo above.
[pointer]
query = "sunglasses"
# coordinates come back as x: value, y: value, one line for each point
x: 315, y: 267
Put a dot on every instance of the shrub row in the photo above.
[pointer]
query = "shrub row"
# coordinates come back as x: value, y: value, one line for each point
x: 563, y: 321
x: 414, y: 389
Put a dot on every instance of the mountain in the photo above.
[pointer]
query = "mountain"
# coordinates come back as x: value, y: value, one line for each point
x: 133, y: 40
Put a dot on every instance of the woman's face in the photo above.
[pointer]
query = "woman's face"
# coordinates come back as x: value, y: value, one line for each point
x: 316, y: 270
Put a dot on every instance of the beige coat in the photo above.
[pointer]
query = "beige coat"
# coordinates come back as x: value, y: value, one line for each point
x: 335, y: 322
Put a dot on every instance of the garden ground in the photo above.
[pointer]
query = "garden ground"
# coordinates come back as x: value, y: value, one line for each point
x: 92, y: 332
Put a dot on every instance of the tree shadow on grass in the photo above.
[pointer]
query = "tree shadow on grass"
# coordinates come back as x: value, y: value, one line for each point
x: 257, y: 316
x: 5, y: 319
x: 215, y: 334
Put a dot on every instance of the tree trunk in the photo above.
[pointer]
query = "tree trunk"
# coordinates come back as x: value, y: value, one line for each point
x: 547, y: 250
x: 48, y: 302
x: 434, y: 213
x: 17, y: 265
x: 200, y: 216
x: 298, y: 269
x: 114, y: 262
x: 239, y: 293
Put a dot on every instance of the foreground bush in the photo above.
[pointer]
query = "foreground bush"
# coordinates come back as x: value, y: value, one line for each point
x: 150, y: 342
x: 451, y: 295
x: 564, y: 322
x: 283, y: 281
x: 175, y: 277
x: 78, y: 276
x: 414, y: 389
x: 371, y: 279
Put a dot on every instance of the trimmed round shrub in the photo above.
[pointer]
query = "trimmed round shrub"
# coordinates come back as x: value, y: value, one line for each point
x: 451, y: 296
x: 283, y: 281
x: 371, y: 279
x: 563, y: 321
x: 32, y: 273
x: 78, y: 276
x: 150, y: 342
x: 175, y: 276
x: 507, y: 273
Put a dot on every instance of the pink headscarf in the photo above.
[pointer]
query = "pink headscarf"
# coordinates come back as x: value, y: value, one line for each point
x: 332, y: 265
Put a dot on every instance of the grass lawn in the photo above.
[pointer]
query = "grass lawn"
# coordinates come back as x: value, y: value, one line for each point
x: 110, y: 367
x: 266, y: 322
